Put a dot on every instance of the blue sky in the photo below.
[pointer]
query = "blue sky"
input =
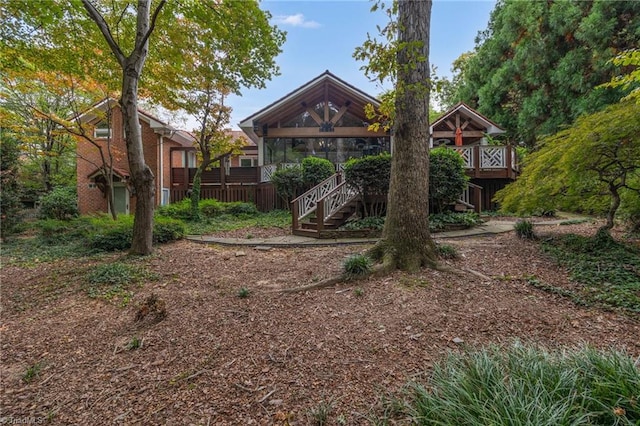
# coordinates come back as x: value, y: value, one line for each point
x: 323, y: 35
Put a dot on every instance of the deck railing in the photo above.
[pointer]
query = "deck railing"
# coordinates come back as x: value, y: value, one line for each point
x: 334, y: 201
x: 471, y: 196
x: 466, y: 152
x: 487, y: 156
x: 307, y: 203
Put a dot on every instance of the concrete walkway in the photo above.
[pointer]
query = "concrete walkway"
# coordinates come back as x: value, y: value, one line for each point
x: 488, y: 228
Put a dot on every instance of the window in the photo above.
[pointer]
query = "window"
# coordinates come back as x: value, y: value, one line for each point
x: 102, y: 130
x: 248, y: 162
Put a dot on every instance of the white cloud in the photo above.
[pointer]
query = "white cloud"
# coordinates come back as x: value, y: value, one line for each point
x: 296, y: 20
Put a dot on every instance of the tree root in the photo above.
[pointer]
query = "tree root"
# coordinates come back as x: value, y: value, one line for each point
x: 320, y: 284
x: 377, y: 271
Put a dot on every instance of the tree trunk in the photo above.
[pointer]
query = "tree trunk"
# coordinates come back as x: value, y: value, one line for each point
x: 142, y: 177
x: 110, y: 198
x: 613, y: 208
x: 195, y: 192
x: 406, y: 243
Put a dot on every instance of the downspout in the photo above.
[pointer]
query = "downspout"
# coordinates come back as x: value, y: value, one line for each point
x: 161, y: 180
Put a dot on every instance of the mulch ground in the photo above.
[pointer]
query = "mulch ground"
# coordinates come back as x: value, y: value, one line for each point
x: 271, y: 358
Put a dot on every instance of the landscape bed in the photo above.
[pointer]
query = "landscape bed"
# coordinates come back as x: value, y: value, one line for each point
x: 233, y: 350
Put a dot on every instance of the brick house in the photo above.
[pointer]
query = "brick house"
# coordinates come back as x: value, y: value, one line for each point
x: 159, y: 143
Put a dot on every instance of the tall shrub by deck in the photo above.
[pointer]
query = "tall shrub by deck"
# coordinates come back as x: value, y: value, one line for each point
x: 288, y: 182
x: 315, y: 170
x: 447, y: 179
x: 370, y: 176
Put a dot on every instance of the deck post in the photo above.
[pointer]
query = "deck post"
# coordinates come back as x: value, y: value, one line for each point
x: 477, y: 199
x: 508, y: 153
x: 476, y: 159
x: 294, y: 215
x: 320, y: 215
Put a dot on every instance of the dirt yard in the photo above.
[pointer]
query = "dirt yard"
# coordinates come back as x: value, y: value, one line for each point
x: 271, y: 358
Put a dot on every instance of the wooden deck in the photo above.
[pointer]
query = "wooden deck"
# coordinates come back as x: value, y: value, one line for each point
x: 489, y: 161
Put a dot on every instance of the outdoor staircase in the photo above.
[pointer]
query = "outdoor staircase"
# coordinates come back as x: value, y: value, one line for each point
x: 328, y: 205
x: 323, y: 208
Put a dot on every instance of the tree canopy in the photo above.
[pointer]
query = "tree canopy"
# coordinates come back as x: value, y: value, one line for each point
x: 111, y: 42
x: 536, y: 66
x: 593, y: 166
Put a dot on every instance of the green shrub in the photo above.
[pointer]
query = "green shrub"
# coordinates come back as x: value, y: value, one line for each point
x: 166, y: 229
x: 9, y: 188
x: 446, y: 251
x: 110, y: 235
x: 240, y: 208
x: 288, y: 182
x: 210, y: 207
x: 370, y: 176
x: 315, y: 170
x: 524, y: 230
x: 54, y: 231
x: 447, y: 178
x: 370, y: 222
x: 524, y: 385
x: 180, y: 210
x: 357, y: 265
x: 440, y: 221
x: 61, y: 204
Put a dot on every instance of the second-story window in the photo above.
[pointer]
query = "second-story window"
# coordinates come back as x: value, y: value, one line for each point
x: 102, y: 130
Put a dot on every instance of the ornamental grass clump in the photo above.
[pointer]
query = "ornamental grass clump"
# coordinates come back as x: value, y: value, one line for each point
x: 524, y: 230
x: 529, y: 385
x: 357, y: 265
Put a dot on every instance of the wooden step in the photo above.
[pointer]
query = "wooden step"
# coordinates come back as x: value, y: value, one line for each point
x: 305, y: 233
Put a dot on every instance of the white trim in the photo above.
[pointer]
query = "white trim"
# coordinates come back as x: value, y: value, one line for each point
x: 490, y: 128
x: 252, y: 158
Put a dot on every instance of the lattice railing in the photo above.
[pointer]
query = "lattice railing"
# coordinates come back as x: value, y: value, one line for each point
x: 289, y: 165
x: 340, y: 196
x: 308, y: 202
x: 466, y: 153
x: 266, y: 172
x: 493, y: 157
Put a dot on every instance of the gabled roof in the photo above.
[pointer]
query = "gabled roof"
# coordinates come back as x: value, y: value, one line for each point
x: 121, y: 173
x: 313, y: 91
x: 157, y: 125
x: 466, y: 111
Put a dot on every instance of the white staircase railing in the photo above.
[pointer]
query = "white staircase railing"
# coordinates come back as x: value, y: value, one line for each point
x: 307, y: 203
x: 337, y: 199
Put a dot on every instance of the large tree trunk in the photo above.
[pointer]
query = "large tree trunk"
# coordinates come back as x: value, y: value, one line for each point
x: 142, y: 177
x: 406, y: 242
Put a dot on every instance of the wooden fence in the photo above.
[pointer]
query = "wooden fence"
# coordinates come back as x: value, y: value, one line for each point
x: 263, y: 195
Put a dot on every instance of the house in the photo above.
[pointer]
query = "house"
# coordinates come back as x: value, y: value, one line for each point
x: 489, y: 165
x: 323, y: 118
x: 159, y: 142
